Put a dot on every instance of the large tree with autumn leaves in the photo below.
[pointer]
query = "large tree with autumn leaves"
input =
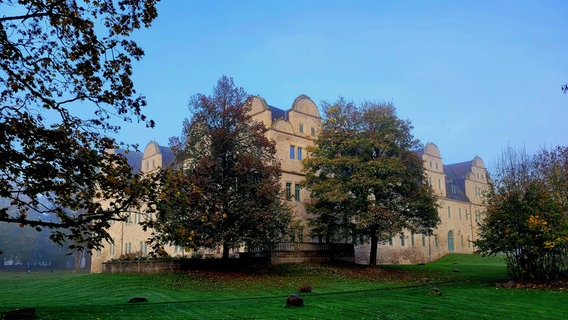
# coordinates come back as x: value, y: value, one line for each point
x: 527, y: 214
x: 365, y: 176
x: 65, y: 76
x: 224, y: 189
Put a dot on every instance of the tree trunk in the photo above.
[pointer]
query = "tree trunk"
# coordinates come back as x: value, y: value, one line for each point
x: 225, y: 251
x: 374, y: 245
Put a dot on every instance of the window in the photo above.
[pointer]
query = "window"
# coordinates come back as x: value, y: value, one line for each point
x: 453, y: 188
x: 402, y: 239
x: 313, y: 132
x: 449, y: 213
x: 436, y: 164
x: 460, y: 213
x: 390, y: 241
x: 299, y: 153
x: 436, y: 240
x: 430, y: 181
x: 153, y: 164
x: 301, y: 128
x: 468, y: 242
x: 439, y: 184
x: 127, y: 247
x: 288, y: 191
x: 423, y: 240
x: 476, y: 215
x: 466, y: 215
x: 292, y: 156
x: 412, y: 238
x: 112, y: 249
x: 430, y: 164
x: 450, y: 241
x: 297, y: 192
x: 461, y: 238
x: 147, y: 165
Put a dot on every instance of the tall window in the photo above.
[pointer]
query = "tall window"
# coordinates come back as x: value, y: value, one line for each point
x: 297, y: 192
x: 423, y: 240
x: 292, y: 153
x: 299, y: 153
x: 402, y: 239
x: 449, y: 213
x: 288, y: 191
x: 436, y: 240
x: 313, y: 132
x: 412, y: 238
x: 112, y: 249
x: 301, y: 128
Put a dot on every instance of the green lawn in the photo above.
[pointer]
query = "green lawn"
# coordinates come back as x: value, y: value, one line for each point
x: 467, y: 284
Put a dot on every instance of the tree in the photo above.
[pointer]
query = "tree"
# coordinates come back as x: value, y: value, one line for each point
x: 225, y: 189
x: 65, y: 75
x: 527, y: 214
x: 365, y: 178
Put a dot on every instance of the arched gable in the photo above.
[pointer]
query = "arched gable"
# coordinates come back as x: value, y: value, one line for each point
x: 282, y: 125
x: 305, y: 105
x: 258, y: 104
x: 151, y: 149
x: 432, y: 150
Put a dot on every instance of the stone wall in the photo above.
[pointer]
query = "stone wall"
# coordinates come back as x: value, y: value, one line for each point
x: 284, y: 253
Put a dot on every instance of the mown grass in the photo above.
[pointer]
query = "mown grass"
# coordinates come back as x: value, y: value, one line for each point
x: 467, y: 284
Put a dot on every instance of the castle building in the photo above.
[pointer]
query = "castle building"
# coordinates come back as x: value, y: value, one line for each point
x: 458, y: 188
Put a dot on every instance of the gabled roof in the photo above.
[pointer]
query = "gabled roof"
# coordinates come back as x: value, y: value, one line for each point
x: 455, y: 175
x: 134, y: 158
x: 168, y: 156
x: 278, y: 113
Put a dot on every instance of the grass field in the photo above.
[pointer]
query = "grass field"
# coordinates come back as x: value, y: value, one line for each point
x: 467, y: 284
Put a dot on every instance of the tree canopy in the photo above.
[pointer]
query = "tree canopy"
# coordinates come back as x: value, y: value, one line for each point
x: 365, y: 177
x: 65, y: 76
x: 225, y: 189
x: 527, y: 214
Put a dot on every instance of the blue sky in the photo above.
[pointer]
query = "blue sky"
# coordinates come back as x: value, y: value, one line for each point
x: 472, y: 76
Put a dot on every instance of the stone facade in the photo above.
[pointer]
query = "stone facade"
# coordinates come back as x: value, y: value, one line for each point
x: 458, y: 188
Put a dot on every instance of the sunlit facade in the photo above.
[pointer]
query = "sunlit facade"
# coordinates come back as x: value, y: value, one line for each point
x: 458, y: 187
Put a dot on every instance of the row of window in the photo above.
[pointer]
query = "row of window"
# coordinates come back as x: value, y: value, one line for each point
x: 137, y: 217
x: 450, y: 240
x: 296, y: 153
x: 148, y: 164
x: 431, y: 164
x: 477, y: 214
x: 301, y: 129
x: 297, y: 189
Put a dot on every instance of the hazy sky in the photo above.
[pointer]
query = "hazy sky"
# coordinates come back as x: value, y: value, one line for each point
x: 472, y: 76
